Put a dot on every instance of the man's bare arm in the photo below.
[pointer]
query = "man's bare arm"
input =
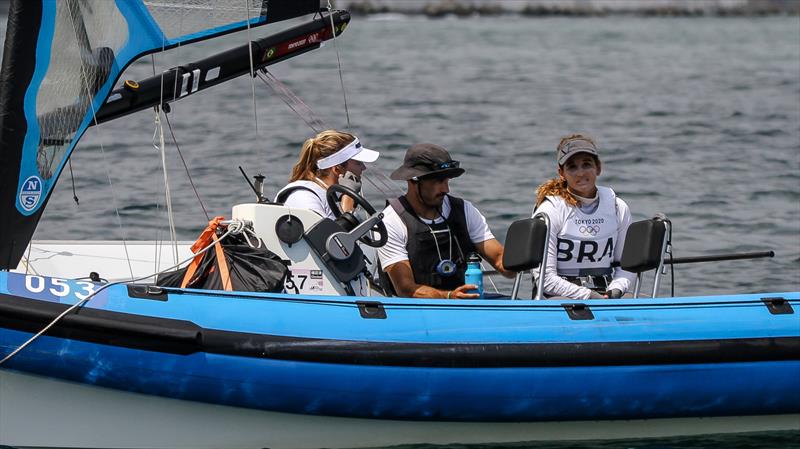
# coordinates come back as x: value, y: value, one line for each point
x: 402, y: 277
x: 492, y: 252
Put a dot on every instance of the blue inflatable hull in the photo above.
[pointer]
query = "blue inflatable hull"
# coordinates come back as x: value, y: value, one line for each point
x: 410, y: 359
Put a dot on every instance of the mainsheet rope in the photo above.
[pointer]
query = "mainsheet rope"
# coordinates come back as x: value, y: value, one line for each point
x: 161, y: 148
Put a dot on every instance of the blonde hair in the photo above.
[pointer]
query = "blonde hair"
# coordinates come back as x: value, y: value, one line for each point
x: 558, y: 186
x: 320, y: 146
x: 555, y: 187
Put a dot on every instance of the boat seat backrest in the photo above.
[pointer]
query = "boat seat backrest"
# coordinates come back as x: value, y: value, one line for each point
x: 526, y: 242
x: 644, y: 246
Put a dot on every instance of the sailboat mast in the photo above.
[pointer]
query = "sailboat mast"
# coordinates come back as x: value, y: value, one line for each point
x: 24, y: 19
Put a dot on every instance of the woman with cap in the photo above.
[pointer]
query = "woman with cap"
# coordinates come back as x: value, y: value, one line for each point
x: 331, y: 157
x: 431, y: 233
x: 588, y: 224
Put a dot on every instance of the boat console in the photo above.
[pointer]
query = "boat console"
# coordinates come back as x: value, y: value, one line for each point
x: 323, y: 257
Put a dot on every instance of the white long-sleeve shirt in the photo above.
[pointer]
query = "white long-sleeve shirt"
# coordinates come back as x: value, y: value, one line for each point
x: 554, y: 285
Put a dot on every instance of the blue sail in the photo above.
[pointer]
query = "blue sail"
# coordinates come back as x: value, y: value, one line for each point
x: 61, y: 60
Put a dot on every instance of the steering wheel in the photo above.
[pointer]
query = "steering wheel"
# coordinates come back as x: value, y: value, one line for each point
x: 333, y: 203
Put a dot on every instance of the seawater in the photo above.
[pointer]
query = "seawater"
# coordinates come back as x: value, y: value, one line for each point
x: 698, y: 118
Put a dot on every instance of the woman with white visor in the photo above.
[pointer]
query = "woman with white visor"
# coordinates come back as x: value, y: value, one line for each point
x: 331, y: 157
x: 588, y: 224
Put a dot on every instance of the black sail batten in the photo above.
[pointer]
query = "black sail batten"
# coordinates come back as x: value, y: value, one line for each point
x: 187, y: 79
x: 24, y: 19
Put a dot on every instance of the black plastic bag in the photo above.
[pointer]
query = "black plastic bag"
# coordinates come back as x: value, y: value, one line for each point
x: 250, y: 269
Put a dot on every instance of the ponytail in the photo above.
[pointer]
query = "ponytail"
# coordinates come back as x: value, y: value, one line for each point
x: 320, y: 146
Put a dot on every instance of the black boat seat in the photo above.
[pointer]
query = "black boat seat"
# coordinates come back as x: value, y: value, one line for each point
x: 644, y: 250
x: 526, y: 248
x: 644, y: 246
x: 526, y: 242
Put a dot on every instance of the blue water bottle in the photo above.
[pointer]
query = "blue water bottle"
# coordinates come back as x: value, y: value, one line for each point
x: 474, y: 274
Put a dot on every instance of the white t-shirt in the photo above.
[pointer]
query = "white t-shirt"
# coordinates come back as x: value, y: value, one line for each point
x: 395, y: 248
x: 303, y: 199
x: 554, y: 285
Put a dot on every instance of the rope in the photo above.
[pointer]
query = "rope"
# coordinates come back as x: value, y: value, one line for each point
x: 186, y: 167
x: 158, y: 241
x: 72, y: 177
x: 339, y: 63
x: 167, y: 193
x: 388, y: 187
x: 294, y: 102
x: 252, y: 71
x: 234, y: 227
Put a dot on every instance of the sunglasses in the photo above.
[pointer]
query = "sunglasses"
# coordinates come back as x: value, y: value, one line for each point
x: 446, y: 165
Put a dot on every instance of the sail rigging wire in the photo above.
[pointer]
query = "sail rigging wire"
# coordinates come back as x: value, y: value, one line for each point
x: 89, y: 96
x: 158, y: 242
x: 159, y: 130
x: 339, y: 63
x: 387, y: 187
x: 168, y: 194
x: 381, y: 183
x: 252, y: 70
x: 234, y: 227
x: 301, y: 109
x: 186, y: 168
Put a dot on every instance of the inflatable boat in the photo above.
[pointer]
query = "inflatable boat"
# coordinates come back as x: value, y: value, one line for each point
x: 96, y: 351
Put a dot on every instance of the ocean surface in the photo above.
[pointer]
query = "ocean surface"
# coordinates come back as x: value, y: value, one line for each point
x: 698, y: 118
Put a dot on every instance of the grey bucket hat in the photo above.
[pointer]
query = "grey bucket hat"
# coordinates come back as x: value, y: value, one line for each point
x: 427, y: 159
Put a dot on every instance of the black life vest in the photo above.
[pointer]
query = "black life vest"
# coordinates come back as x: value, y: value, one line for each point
x: 422, y: 245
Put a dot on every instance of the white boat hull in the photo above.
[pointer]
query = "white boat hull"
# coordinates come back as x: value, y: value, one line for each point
x: 42, y: 412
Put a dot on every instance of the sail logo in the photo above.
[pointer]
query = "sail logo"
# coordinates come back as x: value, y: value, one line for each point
x: 30, y: 193
x: 312, y: 38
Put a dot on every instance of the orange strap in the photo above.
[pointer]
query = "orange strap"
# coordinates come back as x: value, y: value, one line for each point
x: 223, y: 266
x: 206, y: 237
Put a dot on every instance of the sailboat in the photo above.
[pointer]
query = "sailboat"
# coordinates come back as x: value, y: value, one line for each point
x: 321, y: 359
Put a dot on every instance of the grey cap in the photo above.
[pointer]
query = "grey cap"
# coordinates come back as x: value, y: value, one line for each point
x: 574, y: 147
x: 426, y: 159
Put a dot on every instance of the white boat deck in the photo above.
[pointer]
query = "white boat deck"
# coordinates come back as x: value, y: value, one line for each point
x: 112, y: 260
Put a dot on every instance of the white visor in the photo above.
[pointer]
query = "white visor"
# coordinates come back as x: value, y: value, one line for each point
x: 354, y: 150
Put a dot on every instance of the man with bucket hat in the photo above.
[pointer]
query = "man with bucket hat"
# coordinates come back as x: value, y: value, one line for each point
x: 431, y: 233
